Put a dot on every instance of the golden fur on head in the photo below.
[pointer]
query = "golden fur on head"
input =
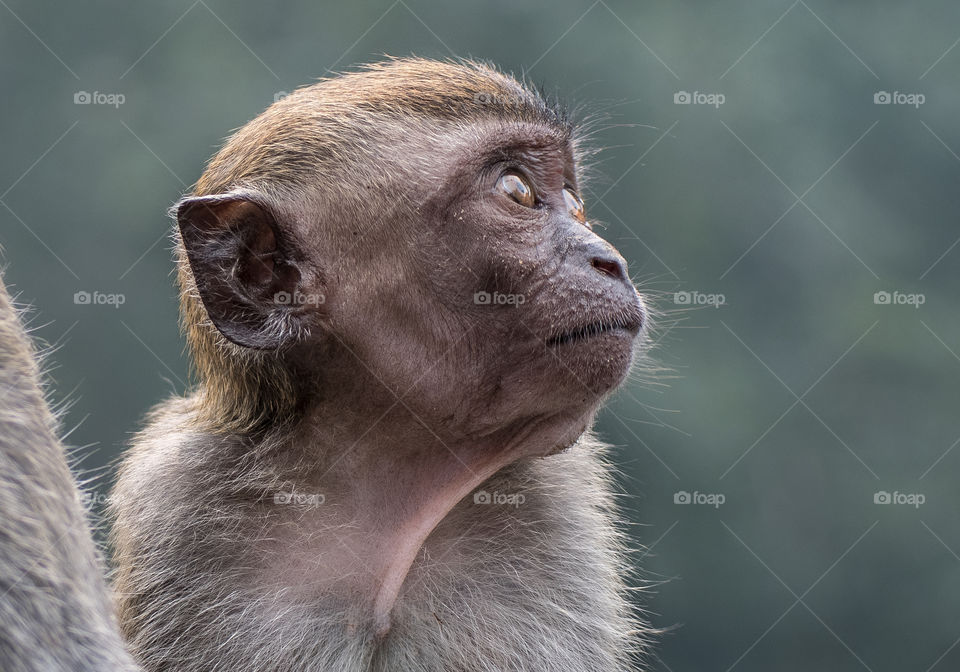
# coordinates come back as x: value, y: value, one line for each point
x: 324, y: 121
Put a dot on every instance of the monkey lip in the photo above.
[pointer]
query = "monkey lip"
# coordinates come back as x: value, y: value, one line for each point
x: 629, y: 327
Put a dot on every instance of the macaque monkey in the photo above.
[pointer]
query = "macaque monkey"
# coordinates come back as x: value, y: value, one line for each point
x: 402, y: 327
x: 55, y: 612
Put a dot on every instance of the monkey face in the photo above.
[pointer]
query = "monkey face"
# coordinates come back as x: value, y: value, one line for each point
x: 456, y: 271
x: 498, y: 301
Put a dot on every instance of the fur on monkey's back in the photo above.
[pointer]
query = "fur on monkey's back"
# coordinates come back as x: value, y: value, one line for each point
x: 536, y: 586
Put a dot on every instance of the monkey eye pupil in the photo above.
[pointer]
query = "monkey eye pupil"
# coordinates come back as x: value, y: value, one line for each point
x: 575, y: 206
x: 518, y: 188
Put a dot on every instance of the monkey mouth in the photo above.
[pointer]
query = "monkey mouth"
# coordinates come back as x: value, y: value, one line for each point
x: 629, y: 326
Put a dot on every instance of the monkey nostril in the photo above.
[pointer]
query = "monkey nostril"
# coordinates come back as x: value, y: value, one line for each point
x: 611, y: 266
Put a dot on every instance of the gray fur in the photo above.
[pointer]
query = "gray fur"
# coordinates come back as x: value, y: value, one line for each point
x: 55, y: 614
x: 536, y: 587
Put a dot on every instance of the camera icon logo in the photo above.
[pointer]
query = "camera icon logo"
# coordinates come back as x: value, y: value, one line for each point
x: 82, y: 298
x: 681, y: 98
x: 283, y: 298
x: 282, y: 497
x: 681, y: 497
x: 482, y: 298
x: 881, y: 497
x: 881, y: 298
x: 82, y: 98
x: 682, y: 298
x: 882, y: 98
x: 481, y: 497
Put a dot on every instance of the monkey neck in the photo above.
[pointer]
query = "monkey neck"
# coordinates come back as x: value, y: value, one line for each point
x: 445, y: 477
x: 395, y: 485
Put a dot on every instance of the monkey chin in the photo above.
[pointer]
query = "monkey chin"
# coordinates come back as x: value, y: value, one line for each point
x: 591, y: 363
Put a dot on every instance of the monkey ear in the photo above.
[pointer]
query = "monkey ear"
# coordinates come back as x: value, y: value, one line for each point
x: 243, y: 268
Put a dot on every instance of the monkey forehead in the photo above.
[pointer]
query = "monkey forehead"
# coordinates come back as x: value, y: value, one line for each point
x: 361, y: 115
x: 432, y: 151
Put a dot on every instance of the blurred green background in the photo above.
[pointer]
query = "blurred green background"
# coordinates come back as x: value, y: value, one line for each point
x: 792, y: 200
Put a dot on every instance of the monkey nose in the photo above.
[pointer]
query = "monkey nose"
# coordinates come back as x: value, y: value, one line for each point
x: 609, y: 262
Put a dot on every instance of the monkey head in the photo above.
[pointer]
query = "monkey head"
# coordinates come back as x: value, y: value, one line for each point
x: 379, y: 241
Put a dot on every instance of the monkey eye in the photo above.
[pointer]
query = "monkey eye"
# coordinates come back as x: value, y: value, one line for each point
x: 575, y: 206
x: 518, y: 188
